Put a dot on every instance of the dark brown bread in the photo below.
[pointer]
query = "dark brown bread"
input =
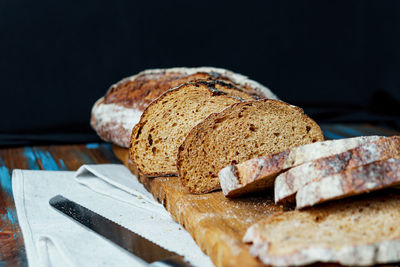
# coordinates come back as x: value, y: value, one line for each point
x: 140, y: 90
x: 363, y: 230
x: 287, y: 183
x: 166, y: 122
x: 115, y: 114
x: 364, y: 179
x: 259, y: 173
x: 240, y: 132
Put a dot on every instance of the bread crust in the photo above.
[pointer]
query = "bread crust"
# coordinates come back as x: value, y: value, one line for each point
x: 287, y: 183
x: 260, y: 173
x: 213, y: 91
x: 360, y: 253
x: 118, y: 93
x: 182, y: 153
x: 364, y: 179
x: 252, y: 175
x: 115, y: 114
x: 113, y: 122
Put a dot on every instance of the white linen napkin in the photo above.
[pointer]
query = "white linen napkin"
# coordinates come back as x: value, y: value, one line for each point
x: 52, y: 239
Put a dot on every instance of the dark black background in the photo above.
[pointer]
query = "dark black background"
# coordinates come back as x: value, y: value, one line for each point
x: 339, y: 60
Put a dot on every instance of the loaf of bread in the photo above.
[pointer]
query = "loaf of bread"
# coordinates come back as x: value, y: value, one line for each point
x: 360, y: 231
x: 115, y: 114
x: 260, y: 173
x: 167, y: 120
x: 287, y: 183
x: 242, y: 131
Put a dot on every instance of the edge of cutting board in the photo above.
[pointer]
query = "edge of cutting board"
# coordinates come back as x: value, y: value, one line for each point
x: 217, y: 224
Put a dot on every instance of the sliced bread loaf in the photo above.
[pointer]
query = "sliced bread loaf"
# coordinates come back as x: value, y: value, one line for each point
x: 166, y: 122
x: 287, y: 183
x: 364, y: 179
x: 361, y: 231
x: 260, y: 173
x: 240, y: 132
x: 115, y: 114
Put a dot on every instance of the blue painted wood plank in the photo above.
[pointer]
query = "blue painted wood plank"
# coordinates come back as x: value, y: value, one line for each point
x: 31, y: 158
x: 5, y: 178
x: 37, y: 159
x: 348, y: 130
x: 92, y: 146
x: 332, y: 135
x: 48, y: 162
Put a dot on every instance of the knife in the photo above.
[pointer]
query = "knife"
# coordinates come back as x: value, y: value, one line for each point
x: 126, y: 239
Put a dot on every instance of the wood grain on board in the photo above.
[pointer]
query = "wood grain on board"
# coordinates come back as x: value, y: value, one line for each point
x: 216, y: 223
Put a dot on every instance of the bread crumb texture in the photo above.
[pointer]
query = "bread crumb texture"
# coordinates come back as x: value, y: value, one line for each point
x: 166, y: 122
x: 115, y: 114
x: 357, y: 231
x: 241, y: 132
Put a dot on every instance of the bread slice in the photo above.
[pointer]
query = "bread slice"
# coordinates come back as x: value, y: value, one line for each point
x: 287, y: 183
x: 115, y: 114
x: 166, y: 122
x: 240, y: 132
x: 359, y: 231
x: 367, y: 178
x: 260, y: 173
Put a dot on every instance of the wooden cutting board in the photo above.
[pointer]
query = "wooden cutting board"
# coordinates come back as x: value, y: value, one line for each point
x: 216, y: 223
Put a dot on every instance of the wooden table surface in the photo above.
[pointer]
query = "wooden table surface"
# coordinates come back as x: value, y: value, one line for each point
x: 71, y: 157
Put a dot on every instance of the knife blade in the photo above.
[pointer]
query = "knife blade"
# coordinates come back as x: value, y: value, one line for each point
x: 123, y: 237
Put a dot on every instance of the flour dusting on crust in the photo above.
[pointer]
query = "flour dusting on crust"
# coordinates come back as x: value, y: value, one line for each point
x: 114, y: 122
x: 358, y: 232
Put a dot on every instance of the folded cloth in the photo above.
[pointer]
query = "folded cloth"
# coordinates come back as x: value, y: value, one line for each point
x: 51, y: 239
